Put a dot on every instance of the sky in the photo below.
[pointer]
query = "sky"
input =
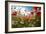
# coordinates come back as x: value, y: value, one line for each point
x: 23, y: 8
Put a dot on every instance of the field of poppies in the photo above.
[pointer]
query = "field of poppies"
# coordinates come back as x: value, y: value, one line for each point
x: 32, y: 20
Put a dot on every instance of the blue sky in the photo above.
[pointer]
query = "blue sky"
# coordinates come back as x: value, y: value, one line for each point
x: 26, y: 8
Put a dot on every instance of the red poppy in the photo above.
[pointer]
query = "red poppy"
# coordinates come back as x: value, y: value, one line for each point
x: 14, y: 13
x: 32, y: 13
x: 38, y: 13
x: 35, y: 8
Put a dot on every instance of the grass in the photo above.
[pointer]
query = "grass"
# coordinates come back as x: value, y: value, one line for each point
x: 20, y: 22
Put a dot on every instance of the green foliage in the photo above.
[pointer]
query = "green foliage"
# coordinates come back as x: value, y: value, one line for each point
x: 22, y: 22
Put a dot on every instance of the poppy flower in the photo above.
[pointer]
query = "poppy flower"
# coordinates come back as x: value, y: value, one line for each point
x: 35, y: 8
x: 38, y: 13
x: 32, y: 13
x: 14, y: 13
